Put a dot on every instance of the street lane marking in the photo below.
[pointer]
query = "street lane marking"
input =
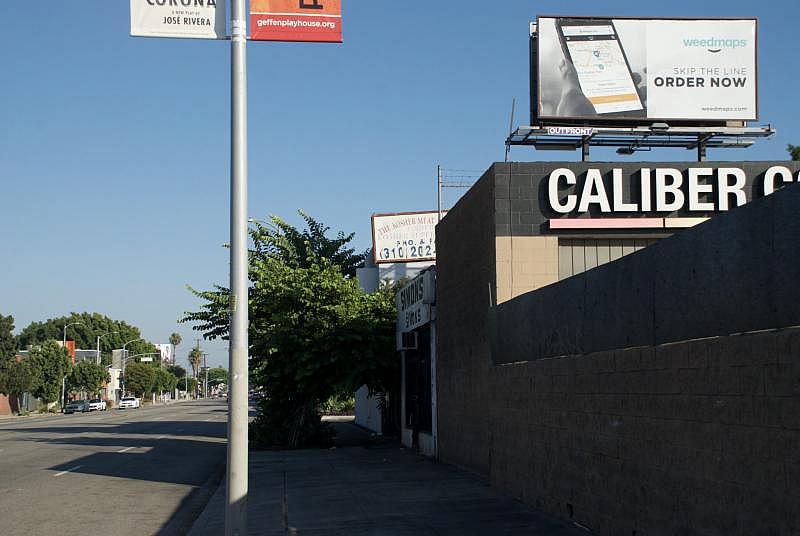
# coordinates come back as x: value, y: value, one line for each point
x: 159, y: 437
x: 126, y: 449
x: 68, y: 470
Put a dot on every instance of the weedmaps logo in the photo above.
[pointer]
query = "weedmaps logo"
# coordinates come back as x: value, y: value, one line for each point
x: 715, y: 45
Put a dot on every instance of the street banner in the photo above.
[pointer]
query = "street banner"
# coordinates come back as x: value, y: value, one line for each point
x: 296, y: 20
x: 640, y: 70
x: 198, y: 19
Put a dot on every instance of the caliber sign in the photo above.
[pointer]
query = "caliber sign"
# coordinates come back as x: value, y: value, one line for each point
x: 296, y: 20
x: 200, y: 19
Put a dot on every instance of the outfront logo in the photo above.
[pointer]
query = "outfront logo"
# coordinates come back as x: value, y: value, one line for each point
x: 714, y: 45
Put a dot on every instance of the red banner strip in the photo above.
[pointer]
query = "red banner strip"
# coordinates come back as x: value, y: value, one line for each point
x: 315, y: 28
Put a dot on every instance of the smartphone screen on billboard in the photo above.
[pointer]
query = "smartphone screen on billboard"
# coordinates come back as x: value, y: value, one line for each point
x: 593, y: 48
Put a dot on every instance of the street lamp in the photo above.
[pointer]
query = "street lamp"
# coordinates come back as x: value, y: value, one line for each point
x: 125, y: 359
x: 64, y: 377
x: 97, y: 359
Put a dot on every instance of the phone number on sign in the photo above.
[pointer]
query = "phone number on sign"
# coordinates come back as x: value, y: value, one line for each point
x: 422, y: 251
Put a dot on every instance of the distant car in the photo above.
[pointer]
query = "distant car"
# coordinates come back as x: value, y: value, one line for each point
x: 77, y: 405
x: 129, y: 402
x: 97, y: 404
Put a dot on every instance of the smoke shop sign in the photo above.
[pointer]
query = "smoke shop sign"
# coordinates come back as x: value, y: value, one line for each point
x: 693, y: 188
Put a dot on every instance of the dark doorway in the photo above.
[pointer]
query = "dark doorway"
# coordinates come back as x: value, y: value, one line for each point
x: 418, y: 385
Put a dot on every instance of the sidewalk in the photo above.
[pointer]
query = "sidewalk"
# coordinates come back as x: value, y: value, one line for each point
x: 376, y: 490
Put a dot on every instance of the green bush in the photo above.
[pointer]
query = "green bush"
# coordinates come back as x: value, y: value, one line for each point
x: 339, y: 404
x: 285, y: 424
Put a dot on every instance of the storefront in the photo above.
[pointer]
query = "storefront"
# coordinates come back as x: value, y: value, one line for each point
x: 416, y: 342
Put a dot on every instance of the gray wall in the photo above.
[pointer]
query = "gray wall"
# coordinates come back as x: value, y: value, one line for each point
x: 697, y: 436
x: 737, y: 272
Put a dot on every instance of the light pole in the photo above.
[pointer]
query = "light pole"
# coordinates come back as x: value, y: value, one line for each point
x: 205, y: 376
x: 64, y: 377
x: 125, y: 359
x: 97, y: 358
x: 236, y: 477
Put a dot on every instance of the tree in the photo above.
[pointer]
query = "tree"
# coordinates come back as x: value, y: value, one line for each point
x: 176, y: 370
x: 175, y: 339
x: 140, y: 378
x: 8, y: 346
x: 794, y: 150
x: 195, y: 358
x: 54, y: 363
x: 22, y: 377
x: 8, y: 343
x: 313, y: 331
x: 164, y: 381
x: 188, y: 384
x: 91, y: 326
x: 87, y: 376
x: 216, y: 377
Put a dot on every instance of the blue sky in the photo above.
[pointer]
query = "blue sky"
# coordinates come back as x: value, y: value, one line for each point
x: 114, y: 151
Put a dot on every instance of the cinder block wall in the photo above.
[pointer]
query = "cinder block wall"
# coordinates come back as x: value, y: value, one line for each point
x: 463, y: 300
x: 696, y: 436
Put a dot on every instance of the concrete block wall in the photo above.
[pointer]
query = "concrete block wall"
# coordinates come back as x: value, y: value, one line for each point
x: 639, y: 436
x: 697, y: 437
x: 462, y: 302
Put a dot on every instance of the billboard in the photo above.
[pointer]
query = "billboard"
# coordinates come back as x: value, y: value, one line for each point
x: 167, y: 351
x: 296, y: 20
x: 200, y: 19
x: 404, y: 237
x: 645, y: 70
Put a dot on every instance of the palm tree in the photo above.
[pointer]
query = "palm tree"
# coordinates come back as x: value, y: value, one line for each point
x: 175, y: 339
x: 195, y: 358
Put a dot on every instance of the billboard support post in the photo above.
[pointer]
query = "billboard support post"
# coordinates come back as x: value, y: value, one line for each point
x: 439, y: 192
x: 237, y: 456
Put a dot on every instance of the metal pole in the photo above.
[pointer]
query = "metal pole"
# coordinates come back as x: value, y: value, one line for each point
x: 439, y: 191
x: 64, y: 376
x: 236, y: 500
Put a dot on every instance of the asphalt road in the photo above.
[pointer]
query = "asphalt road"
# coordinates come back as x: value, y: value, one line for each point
x: 117, y: 472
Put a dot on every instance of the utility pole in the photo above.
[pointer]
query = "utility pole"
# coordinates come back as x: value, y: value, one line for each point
x: 236, y: 499
x: 205, y: 376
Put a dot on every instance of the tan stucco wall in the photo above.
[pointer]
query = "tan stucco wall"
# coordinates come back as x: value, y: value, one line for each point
x: 525, y: 263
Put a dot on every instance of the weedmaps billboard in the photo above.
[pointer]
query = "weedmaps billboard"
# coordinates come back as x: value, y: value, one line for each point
x: 646, y: 69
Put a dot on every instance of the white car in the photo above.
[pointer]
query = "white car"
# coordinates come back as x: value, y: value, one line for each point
x: 97, y: 404
x: 129, y: 402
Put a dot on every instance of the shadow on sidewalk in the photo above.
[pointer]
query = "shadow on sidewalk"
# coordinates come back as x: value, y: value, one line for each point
x: 383, y: 489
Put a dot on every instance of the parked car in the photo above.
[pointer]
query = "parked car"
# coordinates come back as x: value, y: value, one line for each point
x: 97, y: 404
x: 77, y: 405
x: 129, y: 402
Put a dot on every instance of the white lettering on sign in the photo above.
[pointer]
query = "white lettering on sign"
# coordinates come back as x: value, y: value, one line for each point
x: 663, y: 189
x: 776, y: 171
x: 619, y: 204
x: 726, y: 189
x: 594, y: 192
x: 697, y: 188
x: 572, y: 199
x: 570, y: 131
